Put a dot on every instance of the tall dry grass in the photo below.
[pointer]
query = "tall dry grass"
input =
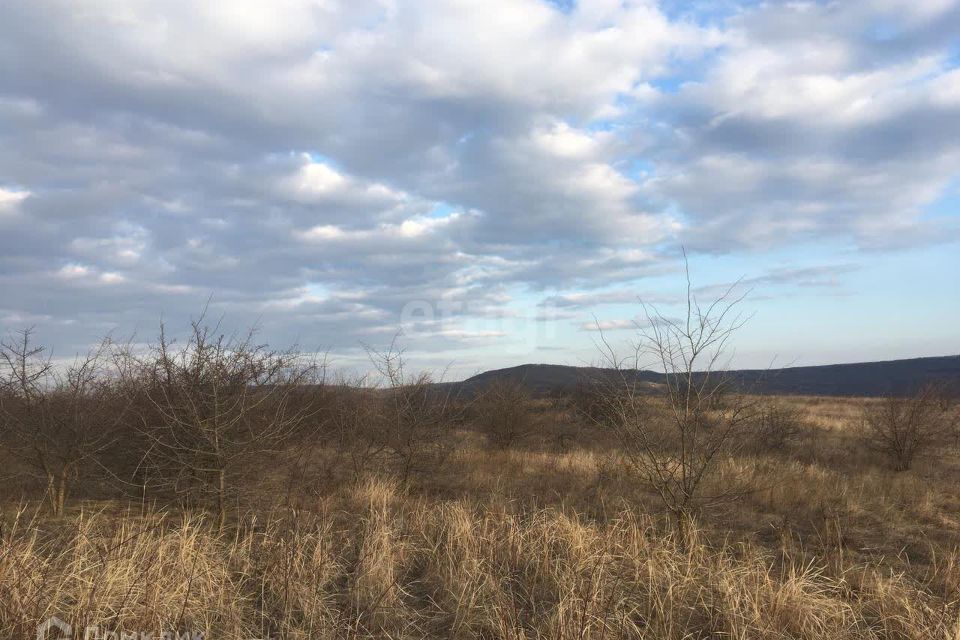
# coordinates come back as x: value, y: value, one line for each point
x: 375, y: 562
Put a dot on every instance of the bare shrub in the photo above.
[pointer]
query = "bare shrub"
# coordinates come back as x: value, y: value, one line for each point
x: 674, y: 440
x: 902, y: 428
x: 776, y: 426
x: 354, y: 427
x: 56, y: 420
x: 217, y: 406
x: 416, y: 416
x: 503, y: 413
x: 591, y: 400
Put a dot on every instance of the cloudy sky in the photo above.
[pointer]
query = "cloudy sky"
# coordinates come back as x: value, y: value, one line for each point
x: 489, y: 176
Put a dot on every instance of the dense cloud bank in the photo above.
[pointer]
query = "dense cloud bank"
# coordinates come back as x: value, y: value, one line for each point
x: 321, y: 165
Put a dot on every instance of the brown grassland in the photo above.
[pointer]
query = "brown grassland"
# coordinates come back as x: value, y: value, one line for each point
x: 218, y: 486
x: 545, y: 534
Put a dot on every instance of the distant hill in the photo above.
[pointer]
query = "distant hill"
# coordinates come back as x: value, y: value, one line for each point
x: 545, y: 379
x: 892, y: 377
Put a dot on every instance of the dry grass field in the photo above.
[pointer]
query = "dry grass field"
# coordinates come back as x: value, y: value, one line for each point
x: 422, y: 319
x: 547, y: 537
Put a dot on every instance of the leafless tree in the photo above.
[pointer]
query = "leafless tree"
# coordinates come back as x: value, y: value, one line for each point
x: 673, y: 440
x: 901, y: 428
x: 217, y: 406
x: 57, y: 420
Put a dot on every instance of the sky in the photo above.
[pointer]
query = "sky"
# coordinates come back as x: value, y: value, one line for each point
x: 491, y: 179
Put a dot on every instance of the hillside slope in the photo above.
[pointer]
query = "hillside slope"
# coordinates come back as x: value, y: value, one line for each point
x: 896, y: 377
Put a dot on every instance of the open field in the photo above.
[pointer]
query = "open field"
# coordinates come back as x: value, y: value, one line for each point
x: 479, y: 320
x: 548, y: 537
